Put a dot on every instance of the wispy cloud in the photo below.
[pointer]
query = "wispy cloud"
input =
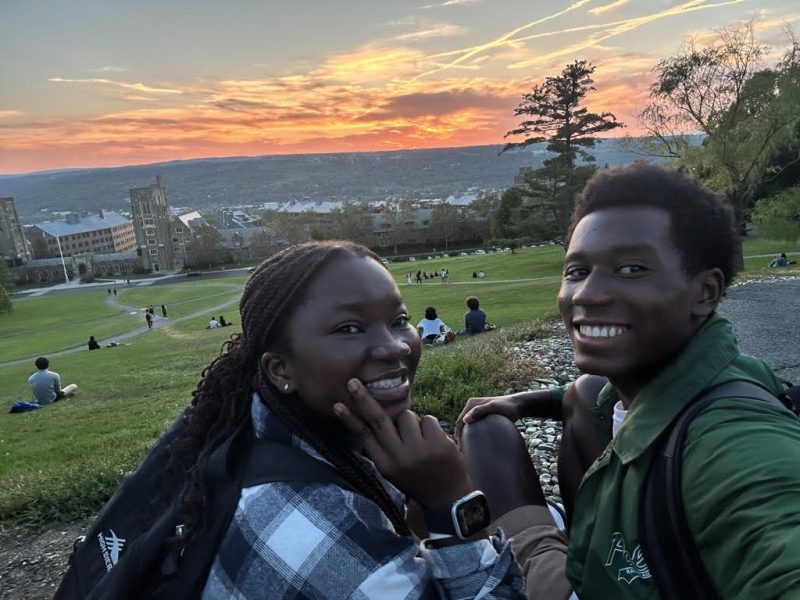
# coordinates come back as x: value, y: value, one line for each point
x: 107, y: 69
x: 432, y: 31
x: 9, y: 113
x: 611, y: 30
x: 448, y: 3
x: 608, y: 7
x: 498, y: 42
x: 139, y: 87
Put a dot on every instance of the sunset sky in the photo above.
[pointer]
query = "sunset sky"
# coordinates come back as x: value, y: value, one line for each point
x: 100, y: 83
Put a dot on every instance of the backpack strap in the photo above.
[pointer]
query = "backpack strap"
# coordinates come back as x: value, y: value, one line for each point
x: 669, y: 548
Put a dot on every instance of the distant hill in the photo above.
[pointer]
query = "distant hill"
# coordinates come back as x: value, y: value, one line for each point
x: 210, y: 183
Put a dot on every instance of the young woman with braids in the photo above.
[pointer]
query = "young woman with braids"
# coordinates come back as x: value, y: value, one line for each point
x: 324, y: 331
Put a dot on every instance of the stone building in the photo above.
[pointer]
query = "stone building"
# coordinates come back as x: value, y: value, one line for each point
x: 153, y: 227
x: 107, y: 232
x: 13, y: 245
x: 53, y: 270
x: 181, y: 229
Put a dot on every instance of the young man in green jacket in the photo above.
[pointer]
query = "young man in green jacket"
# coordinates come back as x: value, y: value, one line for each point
x: 650, y: 253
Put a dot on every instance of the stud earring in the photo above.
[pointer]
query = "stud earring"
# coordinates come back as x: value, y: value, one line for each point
x: 285, y: 387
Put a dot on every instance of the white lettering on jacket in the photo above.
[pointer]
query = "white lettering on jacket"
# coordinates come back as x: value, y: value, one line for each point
x: 630, y: 566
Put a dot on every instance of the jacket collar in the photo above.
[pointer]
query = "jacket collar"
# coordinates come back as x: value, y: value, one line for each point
x: 690, y: 372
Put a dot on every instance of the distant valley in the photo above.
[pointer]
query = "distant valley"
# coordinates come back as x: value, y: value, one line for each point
x: 206, y: 184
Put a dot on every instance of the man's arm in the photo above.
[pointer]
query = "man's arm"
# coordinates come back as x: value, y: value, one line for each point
x: 538, y: 404
x: 56, y: 382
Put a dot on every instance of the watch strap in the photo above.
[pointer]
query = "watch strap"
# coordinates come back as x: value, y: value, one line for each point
x: 440, y: 521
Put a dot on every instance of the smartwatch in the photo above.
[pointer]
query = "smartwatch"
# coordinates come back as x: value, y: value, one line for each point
x: 466, y: 517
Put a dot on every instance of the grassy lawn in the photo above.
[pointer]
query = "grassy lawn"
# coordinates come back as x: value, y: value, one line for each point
x: 185, y: 298
x: 63, y: 462
x: 54, y: 322
x: 753, y: 246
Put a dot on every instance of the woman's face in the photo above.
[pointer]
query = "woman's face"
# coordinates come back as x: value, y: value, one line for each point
x: 351, y: 323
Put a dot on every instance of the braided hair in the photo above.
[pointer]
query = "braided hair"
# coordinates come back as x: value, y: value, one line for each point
x: 221, y: 401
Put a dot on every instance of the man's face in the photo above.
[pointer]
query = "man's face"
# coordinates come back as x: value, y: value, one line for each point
x: 625, y: 300
x: 352, y: 323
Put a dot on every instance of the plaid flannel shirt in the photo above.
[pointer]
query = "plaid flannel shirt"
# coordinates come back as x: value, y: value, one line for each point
x: 299, y: 540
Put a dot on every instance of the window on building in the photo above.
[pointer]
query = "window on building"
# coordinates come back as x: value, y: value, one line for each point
x: 151, y: 242
x: 153, y: 251
x: 175, y: 240
x: 179, y: 230
x: 150, y: 231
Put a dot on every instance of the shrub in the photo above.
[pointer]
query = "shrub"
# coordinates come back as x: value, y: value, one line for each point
x: 473, y: 366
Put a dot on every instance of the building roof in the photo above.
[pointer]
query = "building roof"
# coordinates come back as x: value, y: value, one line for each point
x: 245, y: 232
x: 189, y: 219
x: 464, y: 200
x: 321, y: 208
x: 84, y: 225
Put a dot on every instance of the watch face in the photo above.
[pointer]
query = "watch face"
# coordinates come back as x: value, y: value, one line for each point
x: 473, y: 515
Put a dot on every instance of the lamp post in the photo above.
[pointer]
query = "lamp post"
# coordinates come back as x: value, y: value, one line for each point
x: 66, y: 277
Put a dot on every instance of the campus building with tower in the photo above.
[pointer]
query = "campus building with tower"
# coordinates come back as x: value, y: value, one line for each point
x: 152, y: 222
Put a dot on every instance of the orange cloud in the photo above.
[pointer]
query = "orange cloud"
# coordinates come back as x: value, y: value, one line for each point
x: 370, y: 98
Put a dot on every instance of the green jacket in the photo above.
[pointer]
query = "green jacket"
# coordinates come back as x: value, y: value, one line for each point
x: 741, y: 481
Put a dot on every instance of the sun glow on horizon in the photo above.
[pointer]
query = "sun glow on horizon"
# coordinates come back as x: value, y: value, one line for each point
x: 438, y: 78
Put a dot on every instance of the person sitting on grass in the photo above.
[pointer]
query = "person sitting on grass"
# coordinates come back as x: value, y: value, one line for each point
x: 474, y: 319
x: 212, y: 324
x: 431, y: 327
x: 309, y: 349
x: 46, y: 384
x: 223, y: 322
x: 781, y: 261
x: 93, y: 345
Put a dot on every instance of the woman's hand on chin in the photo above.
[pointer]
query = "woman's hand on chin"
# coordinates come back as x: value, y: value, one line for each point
x: 413, y: 453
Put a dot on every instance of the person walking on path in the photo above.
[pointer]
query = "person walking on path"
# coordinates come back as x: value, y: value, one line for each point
x: 46, y: 384
x: 164, y: 310
x: 149, y: 316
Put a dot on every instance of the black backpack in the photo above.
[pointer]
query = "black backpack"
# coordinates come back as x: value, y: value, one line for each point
x: 669, y: 548
x: 133, y: 549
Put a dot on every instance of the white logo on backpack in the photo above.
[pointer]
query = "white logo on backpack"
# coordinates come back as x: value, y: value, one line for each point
x: 110, y: 547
